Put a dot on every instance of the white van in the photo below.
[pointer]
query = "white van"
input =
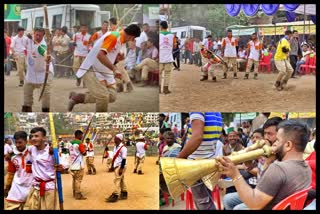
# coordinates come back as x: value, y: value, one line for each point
x: 64, y: 15
x: 191, y: 31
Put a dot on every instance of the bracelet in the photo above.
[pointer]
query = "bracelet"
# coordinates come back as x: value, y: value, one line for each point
x: 240, y: 176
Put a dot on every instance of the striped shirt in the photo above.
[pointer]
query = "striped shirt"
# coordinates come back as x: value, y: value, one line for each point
x: 211, y: 134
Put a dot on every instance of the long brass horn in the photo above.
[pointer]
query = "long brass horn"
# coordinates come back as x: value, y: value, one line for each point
x: 179, y: 174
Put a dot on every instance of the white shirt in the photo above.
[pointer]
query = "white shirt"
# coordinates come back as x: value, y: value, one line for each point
x: 142, y: 38
x: 42, y: 167
x: 166, y: 46
x: 215, y: 45
x: 19, y: 44
x: 81, y: 49
x: 131, y: 58
x: 254, y: 50
x: 76, y: 158
x: 219, y: 149
x: 230, y: 48
x: 242, y: 54
x: 22, y: 180
x: 90, y: 152
x: 92, y: 60
x: 36, y: 64
x: 122, y: 155
x: 206, y: 43
x: 141, y: 152
x: 7, y: 149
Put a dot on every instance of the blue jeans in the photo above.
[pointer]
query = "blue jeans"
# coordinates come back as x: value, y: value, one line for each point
x: 311, y: 206
x: 202, y: 196
x: 301, y: 62
x: 232, y: 201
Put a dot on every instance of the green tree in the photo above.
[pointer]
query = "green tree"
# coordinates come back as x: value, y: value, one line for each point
x: 9, y: 123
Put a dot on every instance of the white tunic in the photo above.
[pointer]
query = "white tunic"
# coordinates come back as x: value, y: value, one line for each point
x: 142, y: 38
x: 36, y: 64
x: 230, y: 48
x: 92, y: 60
x: 42, y: 167
x: 90, y: 152
x: 122, y: 155
x: 255, y: 49
x: 141, y: 152
x: 22, y: 180
x: 165, y: 47
x: 81, y: 49
x: 76, y: 158
x: 19, y: 44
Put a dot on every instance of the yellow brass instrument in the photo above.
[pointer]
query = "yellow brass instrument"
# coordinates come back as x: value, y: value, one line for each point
x: 179, y: 174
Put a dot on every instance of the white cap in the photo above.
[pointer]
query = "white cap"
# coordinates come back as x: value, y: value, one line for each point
x: 120, y: 136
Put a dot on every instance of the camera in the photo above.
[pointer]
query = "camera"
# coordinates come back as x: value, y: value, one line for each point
x: 285, y: 50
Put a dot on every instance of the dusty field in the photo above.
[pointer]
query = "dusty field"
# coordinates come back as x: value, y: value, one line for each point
x: 143, y: 190
x: 236, y: 95
x: 142, y: 99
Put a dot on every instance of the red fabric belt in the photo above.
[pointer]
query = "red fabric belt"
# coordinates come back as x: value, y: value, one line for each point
x: 43, y: 185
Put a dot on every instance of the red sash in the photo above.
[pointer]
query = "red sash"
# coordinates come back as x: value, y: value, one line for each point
x: 116, y: 155
x: 43, y: 185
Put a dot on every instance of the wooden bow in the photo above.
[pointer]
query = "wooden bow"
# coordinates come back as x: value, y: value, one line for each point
x: 49, y: 48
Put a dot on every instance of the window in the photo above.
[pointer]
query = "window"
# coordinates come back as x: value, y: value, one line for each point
x: 24, y: 23
x: 183, y: 34
x: 56, y: 21
x: 39, y: 22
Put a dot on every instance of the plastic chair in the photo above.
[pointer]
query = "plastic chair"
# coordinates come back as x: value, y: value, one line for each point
x: 295, y: 201
x: 304, y: 69
x: 312, y: 63
x: 265, y: 62
x: 215, y: 196
x: 153, y: 77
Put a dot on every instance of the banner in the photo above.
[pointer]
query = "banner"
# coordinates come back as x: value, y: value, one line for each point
x: 295, y: 115
x: 243, y: 32
x: 246, y: 116
x: 12, y: 12
x: 270, y: 31
x: 309, y: 29
x: 277, y: 114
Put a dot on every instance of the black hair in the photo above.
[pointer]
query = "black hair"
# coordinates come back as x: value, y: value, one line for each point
x: 229, y: 30
x: 209, y: 36
x: 288, y: 32
x: 113, y: 20
x: 162, y: 130
x: 259, y: 130
x: 294, y: 31
x: 83, y: 24
x: 78, y: 132
x: 39, y: 129
x: 145, y: 24
x: 223, y: 132
x: 133, y: 30
x: 240, y: 129
x: 20, y: 29
x: 164, y: 24
x: 105, y: 21
x: 20, y: 135
x: 40, y: 29
x: 254, y: 33
x: 274, y: 121
x: 296, y: 131
x: 87, y: 138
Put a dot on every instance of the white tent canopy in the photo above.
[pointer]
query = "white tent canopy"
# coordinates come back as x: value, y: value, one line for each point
x: 310, y: 9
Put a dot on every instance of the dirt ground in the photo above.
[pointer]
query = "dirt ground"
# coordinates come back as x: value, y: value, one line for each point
x: 236, y: 95
x: 143, y: 190
x: 142, y: 99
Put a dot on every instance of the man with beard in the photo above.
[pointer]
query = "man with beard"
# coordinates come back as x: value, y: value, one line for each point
x: 233, y: 144
x: 232, y: 201
x: 285, y: 176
